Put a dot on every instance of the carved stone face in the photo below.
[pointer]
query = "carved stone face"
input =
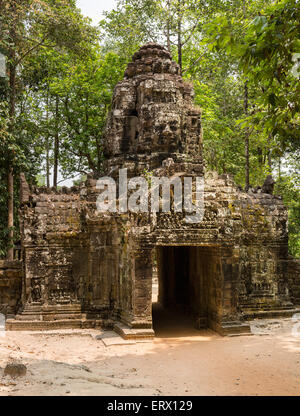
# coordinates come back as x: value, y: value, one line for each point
x: 159, y: 92
x: 166, y: 132
x: 152, y: 109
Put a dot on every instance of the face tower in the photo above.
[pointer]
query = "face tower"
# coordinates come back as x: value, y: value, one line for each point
x: 153, y: 116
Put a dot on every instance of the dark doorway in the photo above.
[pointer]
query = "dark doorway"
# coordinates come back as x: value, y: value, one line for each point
x: 188, y: 278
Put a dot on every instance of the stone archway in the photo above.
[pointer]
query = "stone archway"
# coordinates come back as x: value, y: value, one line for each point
x: 190, y: 284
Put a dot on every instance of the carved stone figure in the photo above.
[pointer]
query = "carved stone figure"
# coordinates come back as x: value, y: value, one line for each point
x: 268, y: 185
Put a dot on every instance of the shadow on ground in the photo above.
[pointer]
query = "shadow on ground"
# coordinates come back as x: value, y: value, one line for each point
x: 174, y: 323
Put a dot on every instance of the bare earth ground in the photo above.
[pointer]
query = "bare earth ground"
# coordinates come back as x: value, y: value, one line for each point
x: 180, y: 361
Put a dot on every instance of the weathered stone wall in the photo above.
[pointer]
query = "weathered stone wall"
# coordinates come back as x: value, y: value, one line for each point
x: 75, y: 256
x: 73, y: 259
x: 249, y: 232
x: 52, y: 240
x: 293, y: 271
x: 10, y: 286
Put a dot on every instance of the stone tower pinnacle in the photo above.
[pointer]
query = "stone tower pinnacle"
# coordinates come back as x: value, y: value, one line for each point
x: 153, y: 116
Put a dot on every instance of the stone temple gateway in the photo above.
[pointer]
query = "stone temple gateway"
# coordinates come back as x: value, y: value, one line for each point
x: 82, y: 268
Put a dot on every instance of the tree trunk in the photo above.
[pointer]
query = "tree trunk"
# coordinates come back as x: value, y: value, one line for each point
x: 168, y: 26
x: 247, y: 170
x: 269, y: 153
x: 99, y: 159
x: 56, y: 146
x: 244, y: 8
x: 47, y: 147
x: 10, y: 221
x: 47, y: 164
x: 247, y: 157
x: 260, y: 156
x: 270, y: 161
x: 10, y: 175
x: 179, y: 43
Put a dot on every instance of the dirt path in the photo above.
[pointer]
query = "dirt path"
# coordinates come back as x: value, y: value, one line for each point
x: 74, y: 362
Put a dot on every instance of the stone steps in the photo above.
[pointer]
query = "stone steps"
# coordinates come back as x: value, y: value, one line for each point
x: 44, y: 317
x: 274, y: 313
x: 27, y: 325
x: 50, y: 313
x: 255, y: 308
x: 34, y: 325
x: 133, y: 333
x: 234, y: 328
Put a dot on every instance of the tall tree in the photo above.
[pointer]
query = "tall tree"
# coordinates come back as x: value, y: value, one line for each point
x: 25, y: 27
x: 85, y: 93
x: 267, y: 52
x: 174, y: 23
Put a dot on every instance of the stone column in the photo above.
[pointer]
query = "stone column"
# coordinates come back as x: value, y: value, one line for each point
x: 142, y: 289
x: 229, y: 321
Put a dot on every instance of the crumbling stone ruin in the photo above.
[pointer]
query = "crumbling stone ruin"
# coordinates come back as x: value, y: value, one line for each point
x: 10, y: 287
x: 84, y: 268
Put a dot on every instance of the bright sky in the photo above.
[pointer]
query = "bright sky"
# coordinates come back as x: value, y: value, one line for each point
x: 94, y: 8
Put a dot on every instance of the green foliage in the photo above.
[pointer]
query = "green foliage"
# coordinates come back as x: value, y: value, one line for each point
x: 218, y: 95
x: 83, y: 86
x: 85, y: 92
x: 131, y: 24
x: 77, y: 182
x: 65, y: 81
x: 289, y: 188
x: 26, y: 29
x: 266, y: 47
x: 267, y: 60
x: 11, y: 154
